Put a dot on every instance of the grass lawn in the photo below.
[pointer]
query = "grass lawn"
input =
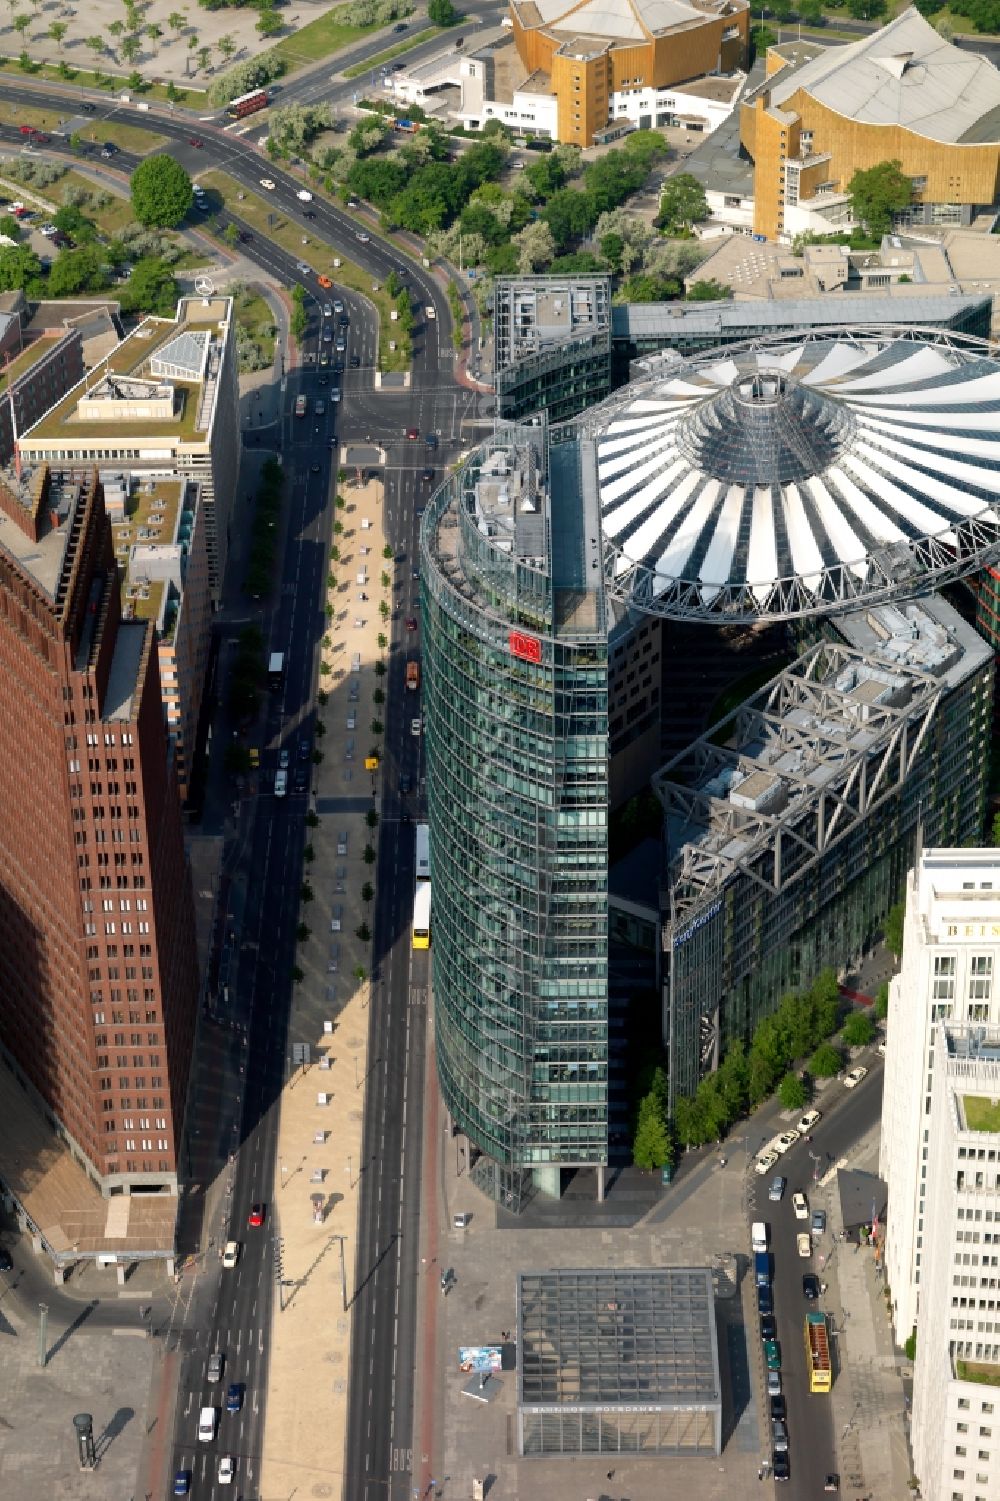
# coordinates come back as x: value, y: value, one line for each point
x: 981, y: 1113
x: 115, y: 83
x: 319, y: 38
x: 253, y: 314
x: 253, y: 210
x: 360, y: 69
x: 128, y: 137
x: 970, y: 1370
x: 111, y: 219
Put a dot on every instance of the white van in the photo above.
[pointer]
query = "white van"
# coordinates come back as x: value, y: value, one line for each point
x: 280, y: 783
x: 206, y: 1425
x: 758, y: 1236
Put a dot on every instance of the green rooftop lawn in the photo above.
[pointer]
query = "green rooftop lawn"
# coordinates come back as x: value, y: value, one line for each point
x: 971, y: 1370
x: 981, y: 1113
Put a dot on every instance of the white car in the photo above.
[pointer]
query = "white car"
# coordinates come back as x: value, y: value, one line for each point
x: 881, y: 1048
x: 810, y: 1119
x: 854, y: 1077
x: 231, y: 1254
x: 785, y: 1140
x: 268, y: 183
x: 801, y: 1206
x: 227, y: 1469
x: 48, y: 230
x: 803, y: 1245
x: 364, y: 238
x: 764, y: 1164
x: 416, y: 727
x: 430, y: 311
x: 304, y: 195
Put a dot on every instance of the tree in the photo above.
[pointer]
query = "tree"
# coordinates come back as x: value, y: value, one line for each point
x: 881, y: 1007
x: 535, y: 247
x: 651, y: 1144
x: 151, y: 289
x: 910, y: 1347
x: 363, y: 933
x: 154, y: 32
x: 75, y: 271
x: 708, y: 290
x: 21, y: 22
x: 268, y: 22
x: 204, y: 53
x: 792, y: 1092
x: 57, y: 30
x: 858, y: 1030
x: 826, y: 1062
x: 226, y: 46
x: 9, y: 227
x: 893, y: 932
x: 811, y: 12
x: 18, y: 267
x: 367, y: 892
x: 682, y: 203
x: 866, y: 10
x: 877, y: 194
x: 96, y: 45
x: 161, y: 192
x: 116, y: 28
x: 781, y: 10
x: 176, y: 21
x: 442, y: 13
x: 995, y: 829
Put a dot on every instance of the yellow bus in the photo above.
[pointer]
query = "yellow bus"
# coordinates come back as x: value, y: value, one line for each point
x: 818, y: 1362
x: 422, y: 890
x: 422, y: 916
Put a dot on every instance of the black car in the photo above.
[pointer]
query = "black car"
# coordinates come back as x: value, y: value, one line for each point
x: 300, y: 779
x: 768, y: 1326
x: 780, y: 1467
x: 427, y: 476
x: 431, y: 440
x: 778, y: 1406
x: 304, y: 749
x: 245, y: 236
x: 810, y: 1287
x: 344, y: 320
x: 405, y: 782
x: 6, y: 1265
x: 355, y: 362
x: 234, y: 1397
x: 88, y: 108
x: 765, y: 1299
x: 308, y: 214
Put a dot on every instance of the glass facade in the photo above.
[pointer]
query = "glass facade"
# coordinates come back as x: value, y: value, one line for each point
x: 728, y: 963
x: 516, y: 700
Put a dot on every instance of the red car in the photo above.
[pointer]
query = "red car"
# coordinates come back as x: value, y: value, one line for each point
x: 196, y: 141
x: 27, y: 130
x: 413, y: 434
x: 411, y: 623
x: 256, y: 1216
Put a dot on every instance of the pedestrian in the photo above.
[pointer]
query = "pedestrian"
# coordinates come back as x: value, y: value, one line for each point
x: 611, y: 1474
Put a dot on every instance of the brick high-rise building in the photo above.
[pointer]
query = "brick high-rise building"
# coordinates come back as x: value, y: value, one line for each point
x: 98, y: 966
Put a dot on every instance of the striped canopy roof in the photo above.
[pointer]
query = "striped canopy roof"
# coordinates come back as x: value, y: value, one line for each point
x: 801, y: 475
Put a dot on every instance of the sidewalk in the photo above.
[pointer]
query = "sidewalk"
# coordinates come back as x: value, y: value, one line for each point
x: 319, y: 1137
x: 868, y: 1395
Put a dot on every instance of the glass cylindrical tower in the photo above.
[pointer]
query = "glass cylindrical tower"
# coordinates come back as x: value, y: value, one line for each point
x: 515, y: 660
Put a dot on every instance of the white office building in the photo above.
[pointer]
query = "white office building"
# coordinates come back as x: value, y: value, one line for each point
x: 956, y: 1388
x: 951, y: 951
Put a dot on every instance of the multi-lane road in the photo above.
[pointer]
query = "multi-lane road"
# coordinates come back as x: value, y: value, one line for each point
x: 232, y: 1309
x: 812, y: 1440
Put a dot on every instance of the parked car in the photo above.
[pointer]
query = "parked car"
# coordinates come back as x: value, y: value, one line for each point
x: 764, y: 1164
x: 810, y: 1287
x: 768, y: 1327
x: 283, y: 758
x: 765, y: 1298
x: 777, y: 1406
x: 779, y: 1435
x: 773, y: 1384
x: 785, y: 1140
x: 772, y: 1355
x: 777, y: 1190
x: 803, y: 1245
x: 800, y: 1205
x: 818, y: 1222
x: 779, y: 1466
x: 852, y: 1079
